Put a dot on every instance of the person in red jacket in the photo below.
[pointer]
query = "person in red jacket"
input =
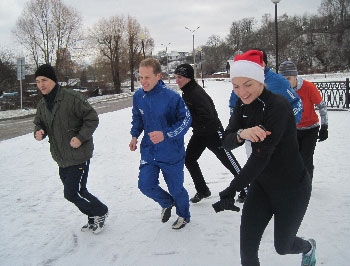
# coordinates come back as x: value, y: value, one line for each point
x: 308, y: 129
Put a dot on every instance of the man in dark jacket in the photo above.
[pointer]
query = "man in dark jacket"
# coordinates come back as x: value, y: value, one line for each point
x: 66, y: 117
x: 207, y: 131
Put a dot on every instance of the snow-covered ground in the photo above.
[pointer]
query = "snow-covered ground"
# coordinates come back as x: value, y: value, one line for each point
x: 41, y: 228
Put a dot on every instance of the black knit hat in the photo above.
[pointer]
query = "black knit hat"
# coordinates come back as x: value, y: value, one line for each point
x: 185, y: 70
x: 47, y: 71
x: 288, y: 68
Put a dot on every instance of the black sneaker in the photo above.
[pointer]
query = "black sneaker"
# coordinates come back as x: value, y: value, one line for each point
x: 166, y: 213
x: 89, y: 226
x: 179, y: 223
x: 99, y: 223
x: 241, y: 196
x: 198, y: 197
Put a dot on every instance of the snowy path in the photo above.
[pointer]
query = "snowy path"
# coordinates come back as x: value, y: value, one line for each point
x: 41, y: 228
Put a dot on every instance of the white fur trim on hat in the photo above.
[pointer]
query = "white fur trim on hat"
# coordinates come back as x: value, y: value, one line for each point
x: 248, y: 69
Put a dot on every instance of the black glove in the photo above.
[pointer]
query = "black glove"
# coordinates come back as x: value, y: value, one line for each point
x: 228, y: 192
x: 323, y: 133
x: 227, y: 201
x: 225, y: 204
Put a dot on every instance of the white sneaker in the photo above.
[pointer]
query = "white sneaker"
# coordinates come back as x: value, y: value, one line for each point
x: 179, y: 223
x: 99, y: 223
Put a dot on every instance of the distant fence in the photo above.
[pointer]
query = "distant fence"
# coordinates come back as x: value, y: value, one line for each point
x: 335, y: 93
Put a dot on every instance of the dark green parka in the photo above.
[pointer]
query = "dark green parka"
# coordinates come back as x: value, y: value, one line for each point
x: 71, y: 116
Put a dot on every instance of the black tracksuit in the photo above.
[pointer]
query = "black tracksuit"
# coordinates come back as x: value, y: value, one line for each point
x: 280, y: 185
x: 207, y: 133
x: 74, y: 179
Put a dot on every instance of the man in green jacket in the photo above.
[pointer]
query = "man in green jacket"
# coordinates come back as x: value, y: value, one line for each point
x: 66, y: 117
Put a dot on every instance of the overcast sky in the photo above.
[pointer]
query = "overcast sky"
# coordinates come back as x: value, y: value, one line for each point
x: 166, y: 20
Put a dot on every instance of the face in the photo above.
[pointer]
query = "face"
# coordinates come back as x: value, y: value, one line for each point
x: 147, y: 78
x: 181, y: 81
x: 247, y: 89
x: 44, y: 84
x: 292, y: 80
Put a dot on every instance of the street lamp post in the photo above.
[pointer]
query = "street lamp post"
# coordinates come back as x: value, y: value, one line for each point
x: 276, y: 32
x: 194, y: 54
x: 167, y: 59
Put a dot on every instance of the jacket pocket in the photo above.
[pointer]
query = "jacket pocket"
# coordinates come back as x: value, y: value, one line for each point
x: 84, y: 152
x: 73, y: 132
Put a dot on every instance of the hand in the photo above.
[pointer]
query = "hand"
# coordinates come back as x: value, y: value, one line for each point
x: 225, y: 204
x: 323, y: 133
x: 227, y: 201
x: 156, y: 136
x: 39, y: 135
x: 133, y: 144
x: 255, y: 134
x: 227, y: 193
x: 75, y: 143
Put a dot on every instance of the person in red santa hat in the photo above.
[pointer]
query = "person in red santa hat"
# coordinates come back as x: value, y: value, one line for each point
x: 280, y: 185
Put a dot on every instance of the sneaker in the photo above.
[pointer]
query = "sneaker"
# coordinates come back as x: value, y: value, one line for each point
x: 198, y: 197
x: 241, y: 196
x: 166, y: 213
x: 179, y: 223
x: 99, y: 223
x: 89, y: 225
x: 309, y: 259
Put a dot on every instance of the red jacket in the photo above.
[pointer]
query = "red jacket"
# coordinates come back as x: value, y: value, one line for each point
x: 310, y: 96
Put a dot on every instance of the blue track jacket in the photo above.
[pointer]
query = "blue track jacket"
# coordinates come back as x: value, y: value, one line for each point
x: 161, y: 109
x: 279, y: 85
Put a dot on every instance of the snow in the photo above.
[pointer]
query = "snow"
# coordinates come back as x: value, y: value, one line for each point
x: 39, y: 227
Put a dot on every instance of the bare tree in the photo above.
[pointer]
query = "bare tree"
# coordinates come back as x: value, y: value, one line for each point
x: 240, y: 34
x: 118, y: 40
x: 8, y: 78
x: 108, y: 35
x: 337, y: 11
x: 134, y: 47
x: 215, y: 54
x: 148, y: 42
x: 48, y: 29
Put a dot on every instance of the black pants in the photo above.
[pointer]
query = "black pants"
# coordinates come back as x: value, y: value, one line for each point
x: 307, y: 139
x: 287, y: 205
x: 196, y: 147
x: 74, y: 179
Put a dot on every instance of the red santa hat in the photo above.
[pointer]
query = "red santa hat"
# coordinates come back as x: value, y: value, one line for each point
x: 249, y: 65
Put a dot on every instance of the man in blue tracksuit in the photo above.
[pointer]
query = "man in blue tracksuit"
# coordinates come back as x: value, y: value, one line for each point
x: 162, y: 116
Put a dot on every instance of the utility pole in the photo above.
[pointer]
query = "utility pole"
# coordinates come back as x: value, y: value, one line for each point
x: 194, y: 53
